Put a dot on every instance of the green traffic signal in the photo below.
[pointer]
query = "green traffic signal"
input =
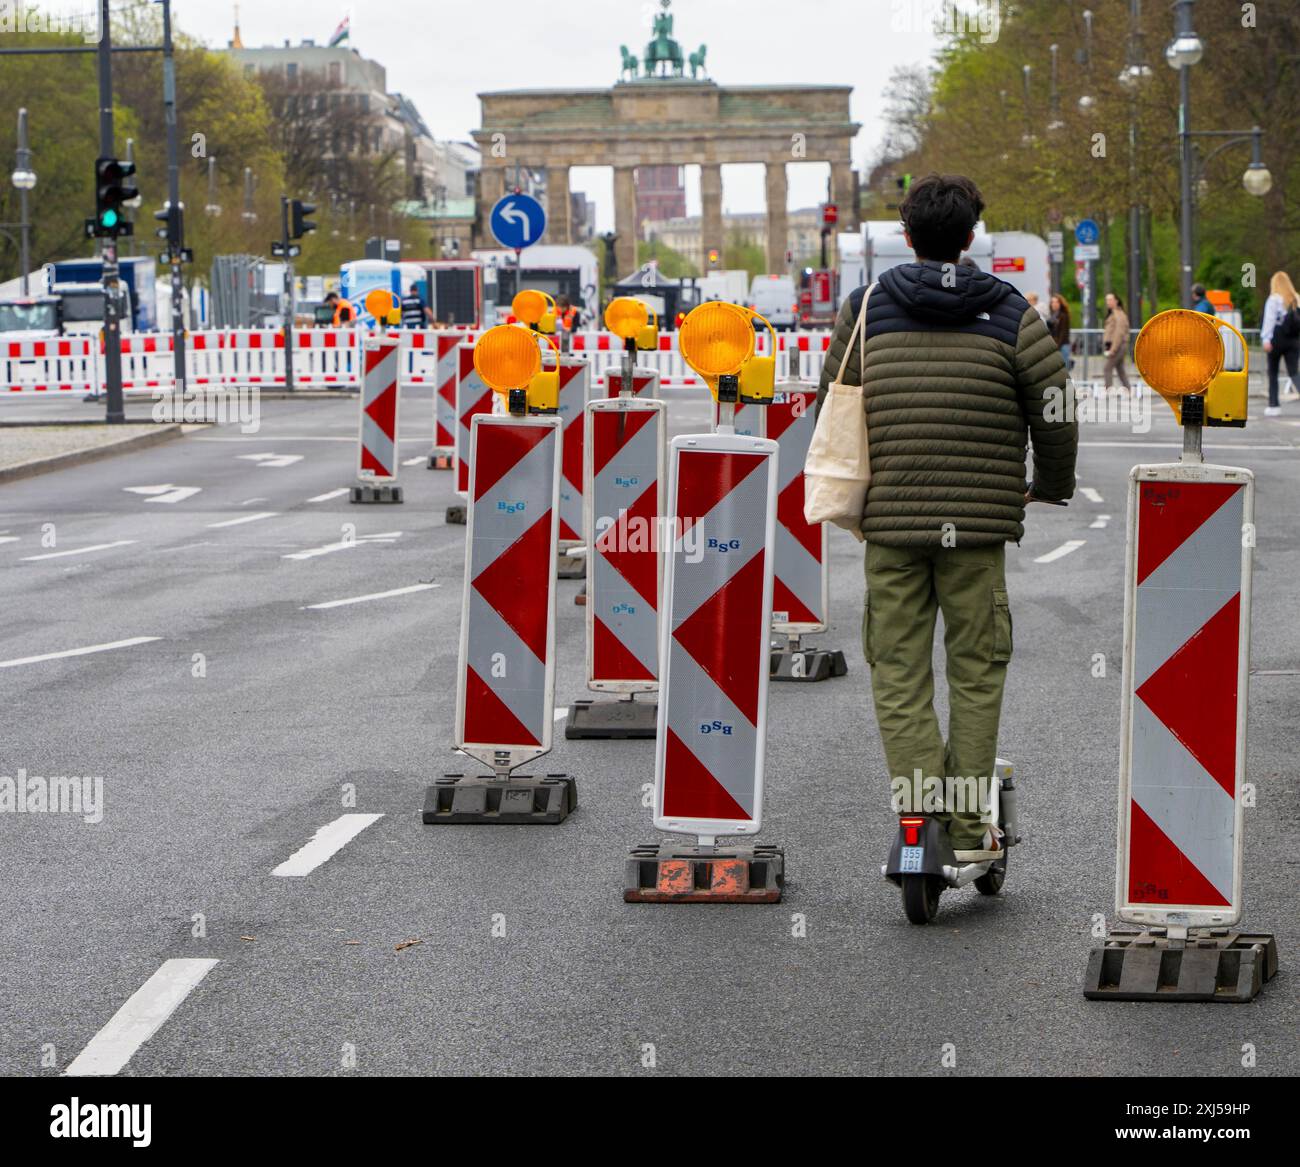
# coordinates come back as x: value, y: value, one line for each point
x: 108, y: 219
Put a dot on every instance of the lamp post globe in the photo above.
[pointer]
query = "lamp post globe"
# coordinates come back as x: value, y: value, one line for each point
x: 1257, y: 180
x: 1184, y: 51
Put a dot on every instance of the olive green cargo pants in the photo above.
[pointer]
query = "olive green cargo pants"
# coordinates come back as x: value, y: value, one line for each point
x: 905, y: 588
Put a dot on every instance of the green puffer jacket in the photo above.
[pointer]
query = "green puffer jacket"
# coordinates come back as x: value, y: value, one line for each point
x: 961, y: 371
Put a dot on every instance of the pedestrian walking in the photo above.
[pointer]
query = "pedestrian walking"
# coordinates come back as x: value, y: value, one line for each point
x: 1058, y: 324
x: 1114, y: 341
x: 1031, y: 298
x: 960, y: 373
x: 1280, y: 333
x: 1201, y: 302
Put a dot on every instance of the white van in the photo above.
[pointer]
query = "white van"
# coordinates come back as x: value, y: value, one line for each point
x: 775, y: 297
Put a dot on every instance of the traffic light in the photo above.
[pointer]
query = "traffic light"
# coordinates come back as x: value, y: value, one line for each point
x: 300, y: 225
x: 113, y: 188
x: 173, y: 218
x: 715, y: 257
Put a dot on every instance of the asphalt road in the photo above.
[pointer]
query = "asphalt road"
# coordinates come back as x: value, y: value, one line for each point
x: 218, y: 767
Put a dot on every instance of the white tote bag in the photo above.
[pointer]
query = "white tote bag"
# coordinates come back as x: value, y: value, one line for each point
x: 837, y: 470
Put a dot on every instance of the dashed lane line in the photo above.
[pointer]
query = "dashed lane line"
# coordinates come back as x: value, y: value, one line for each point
x: 1090, y: 493
x: 1099, y: 522
x: 329, y: 494
x: 244, y: 519
x: 324, y: 844
x: 140, y: 1018
x: 31, y: 660
x: 1060, y: 552
x: 421, y: 587
x: 79, y: 550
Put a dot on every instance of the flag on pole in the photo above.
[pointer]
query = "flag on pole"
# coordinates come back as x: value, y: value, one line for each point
x: 342, y: 32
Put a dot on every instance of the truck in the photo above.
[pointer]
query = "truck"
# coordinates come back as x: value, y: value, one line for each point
x: 558, y: 270
x: 455, y: 289
x: 731, y: 286
x: 1018, y: 257
x: 73, y: 310
x: 139, y: 275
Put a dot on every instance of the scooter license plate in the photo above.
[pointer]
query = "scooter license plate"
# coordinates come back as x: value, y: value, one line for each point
x: 909, y: 859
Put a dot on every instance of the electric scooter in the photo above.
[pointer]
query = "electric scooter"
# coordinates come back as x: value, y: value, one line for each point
x: 922, y: 862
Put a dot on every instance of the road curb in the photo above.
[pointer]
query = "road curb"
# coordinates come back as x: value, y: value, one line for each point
x: 29, y: 469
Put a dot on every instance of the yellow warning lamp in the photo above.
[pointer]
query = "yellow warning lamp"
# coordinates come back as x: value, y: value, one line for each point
x: 716, y: 339
x: 629, y: 319
x: 384, y: 306
x: 536, y: 309
x: 508, y: 360
x: 1179, y: 353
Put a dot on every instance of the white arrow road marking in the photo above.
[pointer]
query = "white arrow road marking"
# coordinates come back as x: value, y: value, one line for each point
x: 31, y: 660
x: 329, y: 494
x: 513, y: 214
x: 1061, y: 551
x: 164, y: 493
x: 78, y: 550
x: 1090, y: 493
x: 245, y: 519
x: 423, y: 587
x: 275, y: 461
x: 1100, y: 521
x: 140, y: 1018
x: 344, y: 544
x: 330, y: 839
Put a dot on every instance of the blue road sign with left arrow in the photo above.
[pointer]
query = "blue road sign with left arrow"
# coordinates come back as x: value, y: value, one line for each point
x: 518, y: 221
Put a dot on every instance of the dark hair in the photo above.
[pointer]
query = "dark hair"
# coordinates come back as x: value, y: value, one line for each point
x: 939, y: 212
x: 1119, y: 300
x: 1198, y: 290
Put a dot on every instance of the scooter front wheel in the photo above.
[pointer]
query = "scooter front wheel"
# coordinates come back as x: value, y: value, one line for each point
x: 921, y: 897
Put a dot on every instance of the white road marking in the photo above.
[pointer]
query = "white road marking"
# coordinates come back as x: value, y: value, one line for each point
x: 245, y: 519
x: 275, y: 461
x: 324, y: 843
x: 31, y: 660
x: 413, y: 461
x: 561, y: 714
x: 329, y: 494
x: 183, y: 547
x: 140, y: 1018
x: 79, y: 550
x: 1090, y: 494
x: 1099, y: 522
x: 422, y: 587
x: 8, y: 538
x: 249, y: 501
x: 344, y: 545
x: 299, y: 437
x: 165, y: 493
x: 1061, y: 551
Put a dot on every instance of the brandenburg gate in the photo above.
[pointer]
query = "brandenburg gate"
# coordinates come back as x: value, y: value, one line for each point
x: 658, y: 116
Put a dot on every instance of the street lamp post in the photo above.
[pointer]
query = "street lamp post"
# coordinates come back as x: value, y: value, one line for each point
x: 1184, y: 51
x: 1133, y: 76
x: 24, y: 179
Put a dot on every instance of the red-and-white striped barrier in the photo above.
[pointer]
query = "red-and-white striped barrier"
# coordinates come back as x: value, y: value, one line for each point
x: 324, y: 358
x: 64, y: 364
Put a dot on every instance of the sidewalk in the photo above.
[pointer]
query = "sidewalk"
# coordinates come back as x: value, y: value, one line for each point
x: 36, y: 449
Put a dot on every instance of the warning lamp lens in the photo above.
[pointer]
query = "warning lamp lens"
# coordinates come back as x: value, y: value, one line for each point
x: 716, y: 339
x: 380, y: 302
x: 626, y: 316
x: 1179, y: 352
x: 530, y: 305
x: 507, y: 357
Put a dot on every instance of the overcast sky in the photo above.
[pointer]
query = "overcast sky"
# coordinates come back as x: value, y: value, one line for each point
x: 442, y: 53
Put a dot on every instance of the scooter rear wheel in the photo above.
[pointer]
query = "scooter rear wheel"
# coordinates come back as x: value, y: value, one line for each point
x: 921, y: 897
